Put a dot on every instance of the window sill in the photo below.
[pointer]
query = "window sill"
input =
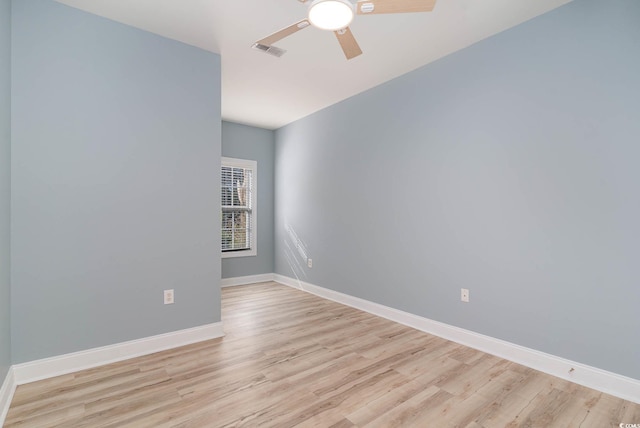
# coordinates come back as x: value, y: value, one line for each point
x: 234, y: 254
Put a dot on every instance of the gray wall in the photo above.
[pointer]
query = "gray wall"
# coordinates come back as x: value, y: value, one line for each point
x: 5, y: 187
x: 509, y: 168
x: 247, y: 142
x: 116, y: 147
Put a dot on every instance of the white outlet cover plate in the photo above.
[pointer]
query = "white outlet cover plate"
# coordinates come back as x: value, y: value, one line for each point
x: 168, y: 297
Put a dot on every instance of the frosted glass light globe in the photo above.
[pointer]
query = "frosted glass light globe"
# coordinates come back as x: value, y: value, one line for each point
x: 331, y: 15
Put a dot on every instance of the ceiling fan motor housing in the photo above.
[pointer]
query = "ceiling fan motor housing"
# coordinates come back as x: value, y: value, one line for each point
x: 366, y: 7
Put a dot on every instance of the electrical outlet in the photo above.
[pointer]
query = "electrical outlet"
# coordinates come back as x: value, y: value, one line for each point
x: 464, y: 295
x: 310, y: 263
x: 168, y: 297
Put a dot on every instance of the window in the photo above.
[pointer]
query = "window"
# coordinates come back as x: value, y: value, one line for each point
x: 238, y: 199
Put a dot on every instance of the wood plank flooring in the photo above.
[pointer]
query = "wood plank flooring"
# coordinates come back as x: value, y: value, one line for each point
x: 292, y: 359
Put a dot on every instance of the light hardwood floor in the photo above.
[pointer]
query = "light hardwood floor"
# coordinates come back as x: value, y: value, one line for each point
x: 292, y: 359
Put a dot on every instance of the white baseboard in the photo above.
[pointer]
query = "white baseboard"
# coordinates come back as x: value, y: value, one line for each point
x: 6, y: 394
x: 591, y: 377
x: 244, y: 280
x: 76, y: 361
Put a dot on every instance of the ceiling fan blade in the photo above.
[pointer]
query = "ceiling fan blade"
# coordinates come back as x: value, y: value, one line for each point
x: 366, y: 7
x: 348, y: 43
x: 279, y: 35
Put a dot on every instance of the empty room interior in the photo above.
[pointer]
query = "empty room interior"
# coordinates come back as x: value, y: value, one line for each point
x: 219, y: 214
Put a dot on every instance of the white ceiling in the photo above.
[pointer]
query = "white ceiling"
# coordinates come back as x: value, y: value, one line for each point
x: 261, y: 90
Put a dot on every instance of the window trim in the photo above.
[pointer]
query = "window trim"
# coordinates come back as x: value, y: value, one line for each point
x: 252, y: 165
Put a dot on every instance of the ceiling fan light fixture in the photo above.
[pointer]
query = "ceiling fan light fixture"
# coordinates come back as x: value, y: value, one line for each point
x: 331, y: 15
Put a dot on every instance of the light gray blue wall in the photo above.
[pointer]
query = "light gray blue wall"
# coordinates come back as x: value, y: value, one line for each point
x: 509, y: 168
x: 248, y: 142
x: 115, y: 182
x: 5, y: 188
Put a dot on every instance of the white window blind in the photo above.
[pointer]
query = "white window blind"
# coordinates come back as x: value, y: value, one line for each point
x: 238, y: 207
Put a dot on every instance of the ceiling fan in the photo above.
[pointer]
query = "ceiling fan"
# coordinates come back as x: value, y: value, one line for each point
x: 336, y: 15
